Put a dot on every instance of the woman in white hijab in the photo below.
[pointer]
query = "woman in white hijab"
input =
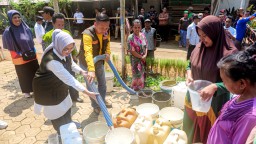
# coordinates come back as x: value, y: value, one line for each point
x: 52, y: 80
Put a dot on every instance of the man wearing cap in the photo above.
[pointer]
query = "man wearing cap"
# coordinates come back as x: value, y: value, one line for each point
x: 190, y: 12
x: 182, y: 29
x: 117, y: 26
x: 39, y: 29
x: 192, y: 36
x: 47, y: 14
x: 96, y: 41
x: 150, y: 34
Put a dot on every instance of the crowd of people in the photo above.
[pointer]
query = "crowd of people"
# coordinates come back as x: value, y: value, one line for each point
x: 215, y: 54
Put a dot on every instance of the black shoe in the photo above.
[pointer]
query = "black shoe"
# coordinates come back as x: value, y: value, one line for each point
x: 108, y: 105
x: 78, y: 100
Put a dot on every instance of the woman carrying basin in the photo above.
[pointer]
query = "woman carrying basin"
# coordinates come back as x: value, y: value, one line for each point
x: 203, y: 66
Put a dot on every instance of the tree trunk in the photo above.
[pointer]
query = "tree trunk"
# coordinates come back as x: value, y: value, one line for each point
x: 56, y: 6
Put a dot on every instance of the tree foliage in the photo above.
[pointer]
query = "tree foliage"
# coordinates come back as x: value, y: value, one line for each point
x: 29, y: 9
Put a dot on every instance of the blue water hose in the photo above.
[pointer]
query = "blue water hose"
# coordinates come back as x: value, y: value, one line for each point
x: 102, y: 57
x: 101, y: 103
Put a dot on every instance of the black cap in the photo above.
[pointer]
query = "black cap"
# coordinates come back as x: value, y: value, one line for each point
x: 46, y: 9
x: 39, y: 18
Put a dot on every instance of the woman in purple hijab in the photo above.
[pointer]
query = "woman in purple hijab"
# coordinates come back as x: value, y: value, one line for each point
x: 238, y: 116
x: 19, y: 31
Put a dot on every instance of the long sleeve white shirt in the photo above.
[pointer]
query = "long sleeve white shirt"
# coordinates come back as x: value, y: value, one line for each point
x: 231, y: 30
x: 192, y: 35
x: 39, y: 31
x: 56, y: 111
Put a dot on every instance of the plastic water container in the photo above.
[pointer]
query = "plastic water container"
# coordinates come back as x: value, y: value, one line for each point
x: 176, y: 136
x: 198, y: 104
x: 69, y: 134
x: 125, y: 118
x: 94, y: 133
x: 174, y: 115
x: 178, y: 95
x: 120, y: 135
x: 109, y: 81
x: 53, y: 139
x: 159, y: 131
x: 141, y: 128
x: 148, y: 109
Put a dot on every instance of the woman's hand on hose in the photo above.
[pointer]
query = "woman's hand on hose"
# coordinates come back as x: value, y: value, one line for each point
x: 91, y: 76
x: 84, y: 73
x: 207, y: 92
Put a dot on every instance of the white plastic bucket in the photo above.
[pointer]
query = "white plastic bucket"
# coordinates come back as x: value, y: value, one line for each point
x: 148, y: 109
x: 94, y: 133
x: 197, y: 103
x: 109, y: 81
x: 178, y: 95
x: 120, y: 135
x: 172, y: 114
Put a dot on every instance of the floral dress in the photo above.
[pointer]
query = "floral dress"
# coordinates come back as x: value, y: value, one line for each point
x: 139, y: 45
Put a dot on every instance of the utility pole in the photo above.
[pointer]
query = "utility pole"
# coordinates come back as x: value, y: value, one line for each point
x: 56, y: 6
x: 136, y: 8
x: 122, y: 27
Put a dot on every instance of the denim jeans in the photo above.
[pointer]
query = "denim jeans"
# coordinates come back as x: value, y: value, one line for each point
x: 183, y: 35
x: 100, y: 76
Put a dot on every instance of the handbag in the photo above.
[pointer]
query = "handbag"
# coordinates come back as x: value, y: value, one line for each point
x: 27, y: 55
